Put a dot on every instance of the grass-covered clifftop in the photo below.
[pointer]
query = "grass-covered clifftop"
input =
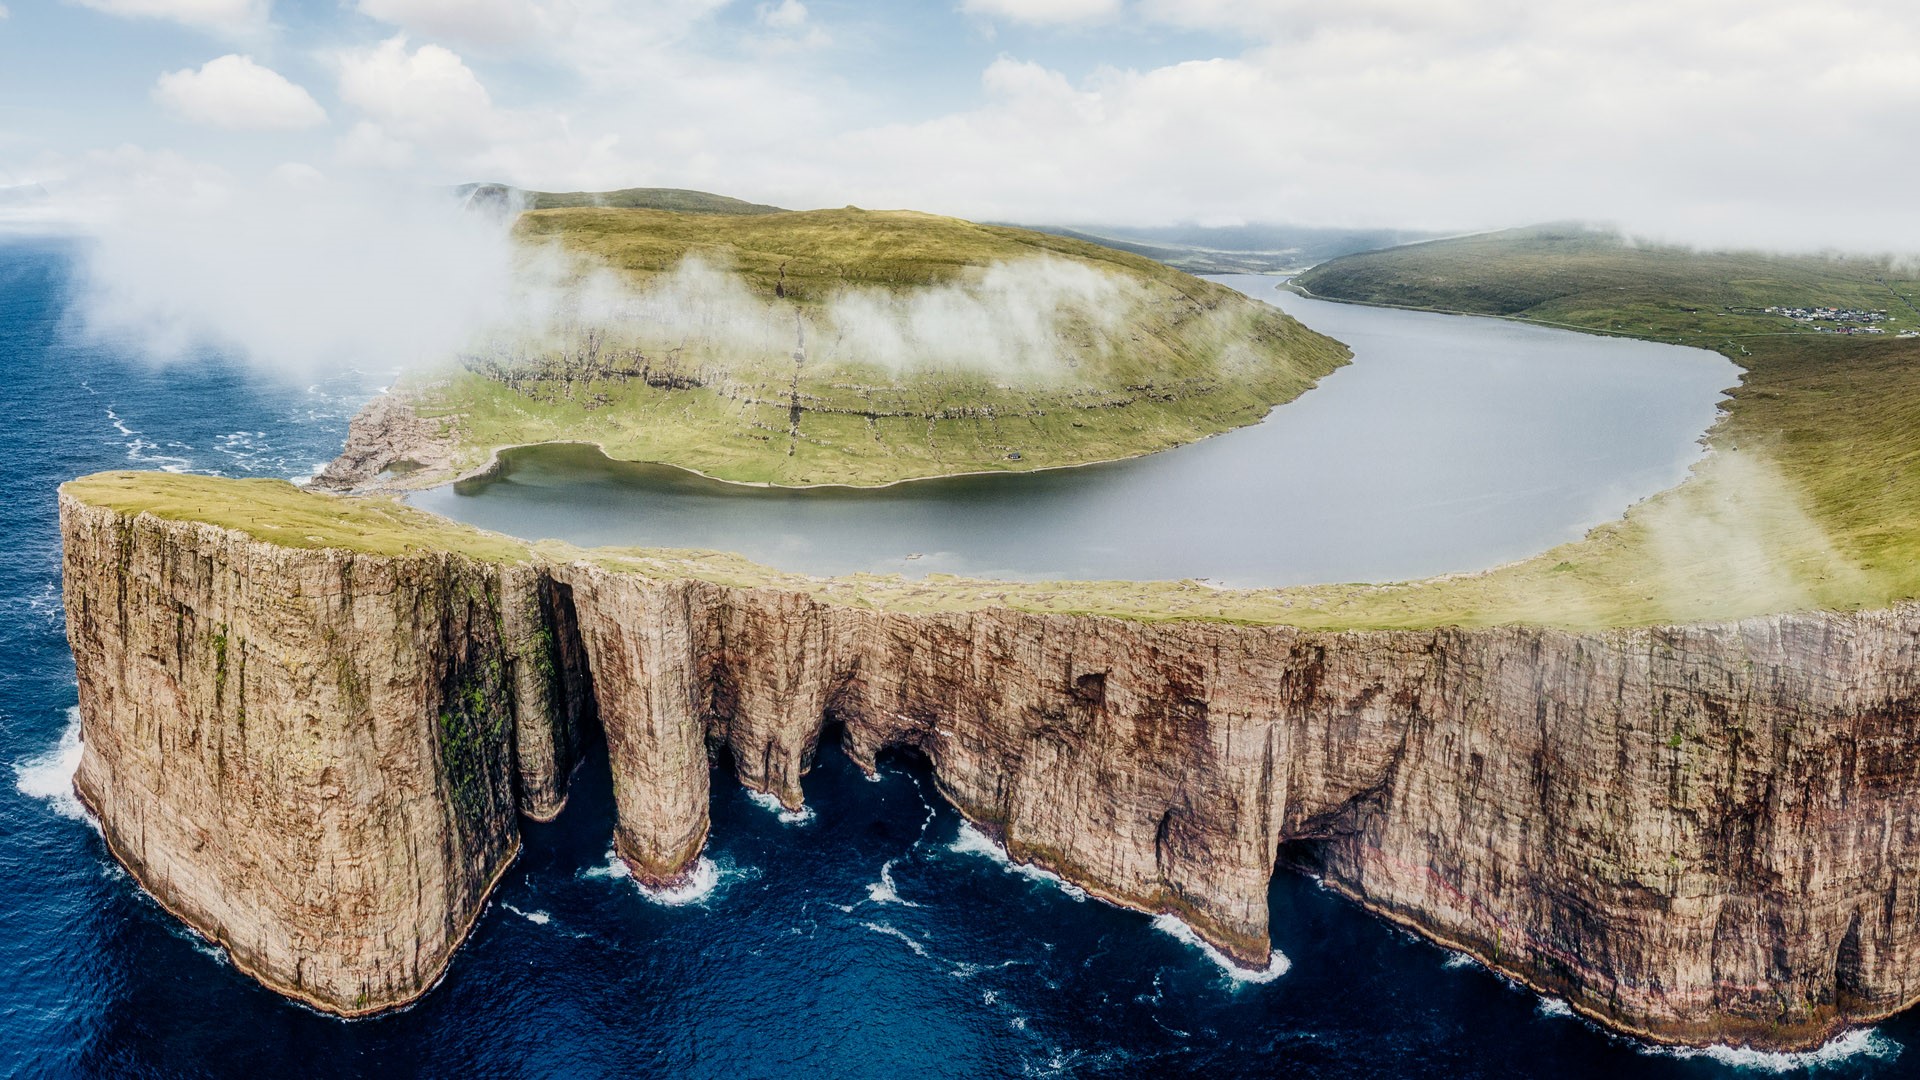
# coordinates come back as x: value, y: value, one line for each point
x: 1810, y: 499
x: 852, y: 347
x: 1811, y: 496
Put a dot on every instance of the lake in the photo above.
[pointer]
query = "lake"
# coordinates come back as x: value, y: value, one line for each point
x: 1449, y: 444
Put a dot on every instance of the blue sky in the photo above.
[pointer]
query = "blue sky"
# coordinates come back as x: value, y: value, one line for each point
x: 1709, y: 120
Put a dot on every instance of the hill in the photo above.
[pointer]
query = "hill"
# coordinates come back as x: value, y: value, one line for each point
x: 680, y: 200
x: 1811, y: 495
x: 1597, y: 280
x: 840, y: 347
x: 1243, y: 249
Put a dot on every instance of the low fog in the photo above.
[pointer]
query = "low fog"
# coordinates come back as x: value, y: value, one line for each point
x: 297, y: 277
x: 309, y: 277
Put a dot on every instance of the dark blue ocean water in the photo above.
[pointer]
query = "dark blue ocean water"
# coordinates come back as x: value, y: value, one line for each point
x: 875, y: 939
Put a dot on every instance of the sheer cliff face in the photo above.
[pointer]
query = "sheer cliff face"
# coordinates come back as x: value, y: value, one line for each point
x: 1701, y: 833
x: 303, y: 754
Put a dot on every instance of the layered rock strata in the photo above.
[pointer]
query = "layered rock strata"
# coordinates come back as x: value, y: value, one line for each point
x: 1700, y: 833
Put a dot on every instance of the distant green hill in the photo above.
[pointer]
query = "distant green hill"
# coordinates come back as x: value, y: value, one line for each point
x: 1239, y: 249
x: 1598, y: 280
x: 679, y: 200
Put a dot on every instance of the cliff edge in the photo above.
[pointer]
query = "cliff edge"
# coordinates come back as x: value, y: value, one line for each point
x: 313, y: 746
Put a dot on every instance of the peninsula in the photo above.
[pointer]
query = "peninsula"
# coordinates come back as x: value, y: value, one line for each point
x: 847, y: 347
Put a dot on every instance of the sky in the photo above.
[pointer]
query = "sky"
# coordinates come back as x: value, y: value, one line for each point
x: 1726, y: 122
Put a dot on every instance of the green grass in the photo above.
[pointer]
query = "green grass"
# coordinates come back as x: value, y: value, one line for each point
x: 677, y: 199
x: 1188, y: 359
x: 1572, y: 276
x: 279, y: 513
x: 1810, y: 499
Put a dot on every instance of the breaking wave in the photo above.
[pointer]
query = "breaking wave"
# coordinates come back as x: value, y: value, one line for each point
x: 702, y: 884
x: 538, y: 918
x: 1180, y: 931
x: 140, y: 449
x: 49, y: 776
x: 972, y: 841
x: 1860, y: 1043
x: 773, y: 805
x: 884, y: 890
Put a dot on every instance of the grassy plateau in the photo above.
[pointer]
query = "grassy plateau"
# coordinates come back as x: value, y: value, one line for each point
x: 856, y: 347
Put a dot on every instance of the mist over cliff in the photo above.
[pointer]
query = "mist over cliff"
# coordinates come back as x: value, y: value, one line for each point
x: 304, y: 275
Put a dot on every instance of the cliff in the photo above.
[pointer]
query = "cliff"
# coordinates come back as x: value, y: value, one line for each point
x: 313, y: 755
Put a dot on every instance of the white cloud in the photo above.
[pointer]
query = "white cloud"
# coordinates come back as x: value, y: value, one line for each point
x: 1753, y: 121
x: 485, y: 22
x: 298, y: 174
x: 234, y: 17
x: 426, y: 95
x: 4, y: 13
x: 786, y: 15
x: 235, y: 93
x: 1708, y: 120
x: 1043, y: 11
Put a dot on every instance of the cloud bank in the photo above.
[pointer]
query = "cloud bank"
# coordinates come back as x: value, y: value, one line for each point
x: 1725, y: 122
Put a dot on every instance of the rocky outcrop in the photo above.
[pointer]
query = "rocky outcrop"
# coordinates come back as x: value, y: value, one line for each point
x: 1704, y: 834
x: 388, y: 441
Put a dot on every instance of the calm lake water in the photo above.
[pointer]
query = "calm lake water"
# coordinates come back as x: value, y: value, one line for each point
x: 876, y: 938
x: 1449, y: 444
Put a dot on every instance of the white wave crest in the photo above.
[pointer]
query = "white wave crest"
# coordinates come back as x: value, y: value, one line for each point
x: 49, y: 776
x: 538, y: 918
x: 894, y: 932
x: 773, y: 805
x: 702, y: 883
x: 1458, y: 961
x: 1859, y: 1043
x: 699, y: 887
x: 1553, y: 1007
x: 139, y: 448
x: 972, y: 841
x: 884, y: 891
x: 1276, y: 966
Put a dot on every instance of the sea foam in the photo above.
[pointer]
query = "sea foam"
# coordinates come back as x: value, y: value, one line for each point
x: 972, y: 841
x: 1859, y: 1043
x: 773, y: 805
x: 49, y: 776
x: 895, y: 932
x: 702, y: 883
x: 1179, y: 930
x: 884, y: 890
x: 538, y: 918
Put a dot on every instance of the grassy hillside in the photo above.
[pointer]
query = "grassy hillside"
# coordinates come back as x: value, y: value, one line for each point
x: 866, y: 347
x: 1589, y: 279
x: 1811, y: 497
x: 676, y: 199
